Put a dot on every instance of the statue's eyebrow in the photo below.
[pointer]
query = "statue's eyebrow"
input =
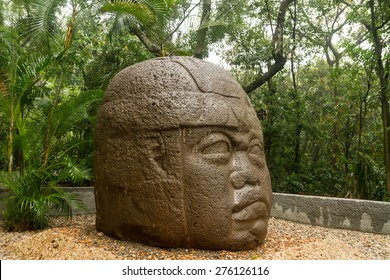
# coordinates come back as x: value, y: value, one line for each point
x: 225, y: 95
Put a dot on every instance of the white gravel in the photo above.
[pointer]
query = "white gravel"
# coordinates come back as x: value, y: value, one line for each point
x: 77, y: 239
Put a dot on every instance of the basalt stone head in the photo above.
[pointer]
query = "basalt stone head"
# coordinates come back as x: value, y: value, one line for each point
x: 179, y: 158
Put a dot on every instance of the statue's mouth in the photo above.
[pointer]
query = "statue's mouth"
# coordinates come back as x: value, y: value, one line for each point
x: 250, y: 212
x: 248, y: 204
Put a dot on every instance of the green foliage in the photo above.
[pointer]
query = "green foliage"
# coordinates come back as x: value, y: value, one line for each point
x: 32, y: 197
x: 145, y: 12
x: 40, y: 28
x: 149, y: 19
x: 368, y: 178
x: 336, y: 126
x: 47, y: 115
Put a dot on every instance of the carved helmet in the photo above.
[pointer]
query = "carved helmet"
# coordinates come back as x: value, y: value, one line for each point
x: 173, y: 92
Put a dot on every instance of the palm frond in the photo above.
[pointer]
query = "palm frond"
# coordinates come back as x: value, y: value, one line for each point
x: 29, y: 72
x: 65, y: 202
x: 124, y: 21
x: 29, y: 203
x: 42, y: 25
x: 152, y: 15
x: 8, y: 39
x: 10, y: 53
x: 72, y: 111
x: 139, y: 10
x: 72, y: 172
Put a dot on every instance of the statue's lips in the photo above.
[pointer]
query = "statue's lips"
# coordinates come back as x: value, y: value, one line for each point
x: 251, y: 212
x: 249, y: 204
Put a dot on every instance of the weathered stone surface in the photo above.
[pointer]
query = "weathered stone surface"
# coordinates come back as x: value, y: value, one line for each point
x: 179, y: 158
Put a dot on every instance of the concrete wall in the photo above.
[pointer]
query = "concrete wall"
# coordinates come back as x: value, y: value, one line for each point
x: 87, y: 196
x: 353, y: 214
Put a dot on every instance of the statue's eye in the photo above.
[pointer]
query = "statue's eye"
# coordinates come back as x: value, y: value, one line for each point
x: 220, y: 147
x: 215, y: 147
x: 256, y: 153
x: 255, y: 150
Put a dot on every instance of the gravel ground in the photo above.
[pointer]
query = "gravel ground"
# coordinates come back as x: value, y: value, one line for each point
x: 77, y: 239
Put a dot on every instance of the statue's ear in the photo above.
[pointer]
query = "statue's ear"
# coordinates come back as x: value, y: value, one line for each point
x: 155, y: 149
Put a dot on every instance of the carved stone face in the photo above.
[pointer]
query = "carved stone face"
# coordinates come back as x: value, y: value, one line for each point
x: 179, y: 158
x: 227, y: 188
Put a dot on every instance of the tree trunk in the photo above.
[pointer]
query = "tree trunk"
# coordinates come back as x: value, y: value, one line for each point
x: 150, y: 46
x: 296, y: 99
x: 384, y: 90
x: 268, y: 121
x: 386, y: 138
x: 10, y: 152
x: 201, y: 43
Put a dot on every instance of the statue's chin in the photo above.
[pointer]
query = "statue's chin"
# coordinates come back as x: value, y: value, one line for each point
x: 248, y: 235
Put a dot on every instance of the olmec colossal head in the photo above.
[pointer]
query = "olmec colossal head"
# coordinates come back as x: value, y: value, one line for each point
x: 179, y: 158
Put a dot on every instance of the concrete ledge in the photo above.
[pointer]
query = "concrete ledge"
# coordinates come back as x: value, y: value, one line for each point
x: 87, y: 196
x: 353, y: 214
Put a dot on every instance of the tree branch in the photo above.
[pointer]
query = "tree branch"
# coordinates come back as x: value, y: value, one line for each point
x: 383, y: 23
x: 277, y: 52
x: 181, y: 22
x: 152, y: 47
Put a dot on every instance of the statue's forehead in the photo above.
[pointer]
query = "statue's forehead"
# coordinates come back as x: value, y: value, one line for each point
x: 180, y: 74
x: 174, y: 109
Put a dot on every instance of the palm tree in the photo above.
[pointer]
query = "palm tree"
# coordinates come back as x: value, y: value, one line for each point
x: 34, y: 64
x: 170, y: 27
x: 146, y: 19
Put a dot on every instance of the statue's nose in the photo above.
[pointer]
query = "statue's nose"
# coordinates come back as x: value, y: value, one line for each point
x: 243, y: 171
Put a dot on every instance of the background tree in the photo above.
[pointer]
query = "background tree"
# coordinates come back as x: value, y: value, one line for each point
x: 378, y: 25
